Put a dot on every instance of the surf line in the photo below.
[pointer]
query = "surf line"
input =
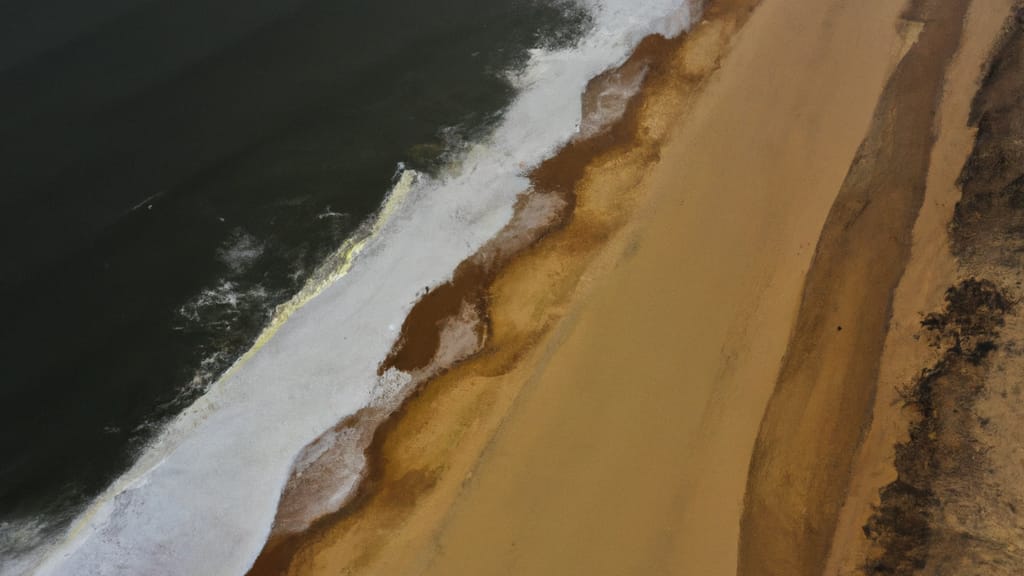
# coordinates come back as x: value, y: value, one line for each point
x: 423, y: 349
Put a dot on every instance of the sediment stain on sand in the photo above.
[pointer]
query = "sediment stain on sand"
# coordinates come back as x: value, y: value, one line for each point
x: 608, y: 425
x: 821, y: 406
x: 417, y: 458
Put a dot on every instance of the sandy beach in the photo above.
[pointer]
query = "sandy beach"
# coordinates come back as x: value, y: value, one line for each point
x: 695, y: 370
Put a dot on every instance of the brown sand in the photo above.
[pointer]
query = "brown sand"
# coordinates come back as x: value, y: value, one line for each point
x: 608, y: 425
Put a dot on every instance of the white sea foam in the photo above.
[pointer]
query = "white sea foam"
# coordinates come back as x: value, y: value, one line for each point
x: 608, y: 103
x: 202, y: 498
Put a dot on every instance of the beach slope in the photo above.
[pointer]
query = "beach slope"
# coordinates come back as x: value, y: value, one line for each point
x: 608, y: 425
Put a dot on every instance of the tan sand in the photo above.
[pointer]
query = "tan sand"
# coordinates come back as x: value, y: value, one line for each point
x: 608, y: 427
x: 930, y: 270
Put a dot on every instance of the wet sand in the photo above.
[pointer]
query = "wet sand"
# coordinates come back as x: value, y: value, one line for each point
x: 639, y: 352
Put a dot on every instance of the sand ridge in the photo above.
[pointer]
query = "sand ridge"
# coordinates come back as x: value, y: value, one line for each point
x: 524, y: 297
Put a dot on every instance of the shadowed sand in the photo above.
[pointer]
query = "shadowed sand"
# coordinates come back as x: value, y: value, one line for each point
x: 663, y: 386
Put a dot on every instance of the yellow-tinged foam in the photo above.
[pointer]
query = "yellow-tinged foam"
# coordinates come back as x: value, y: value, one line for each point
x: 334, y: 267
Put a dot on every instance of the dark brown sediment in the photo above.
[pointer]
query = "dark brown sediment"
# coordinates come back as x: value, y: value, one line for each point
x: 821, y: 405
x: 386, y: 485
x: 418, y: 341
x: 955, y: 505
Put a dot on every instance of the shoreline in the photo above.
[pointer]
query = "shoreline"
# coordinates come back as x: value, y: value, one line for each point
x: 699, y: 368
x: 476, y: 280
x: 760, y: 316
x: 433, y: 475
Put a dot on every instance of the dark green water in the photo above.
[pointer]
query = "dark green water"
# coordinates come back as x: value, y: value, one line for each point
x: 170, y: 170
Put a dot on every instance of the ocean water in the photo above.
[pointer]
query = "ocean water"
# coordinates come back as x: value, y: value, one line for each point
x: 173, y: 171
x: 170, y: 170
